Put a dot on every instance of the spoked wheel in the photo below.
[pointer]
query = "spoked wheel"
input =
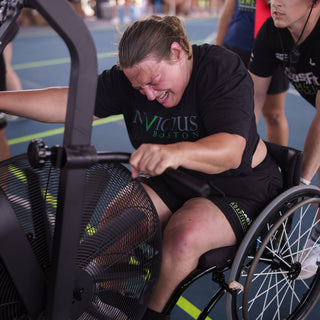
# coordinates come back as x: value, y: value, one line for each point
x: 269, y: 261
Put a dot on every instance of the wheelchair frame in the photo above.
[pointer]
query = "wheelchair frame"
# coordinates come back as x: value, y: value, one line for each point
x: 233, y: 259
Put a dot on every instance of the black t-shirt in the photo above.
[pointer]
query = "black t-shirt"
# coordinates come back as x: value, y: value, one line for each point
x: 273, y: 46
x: 218, y: 98
x: 2, y: 74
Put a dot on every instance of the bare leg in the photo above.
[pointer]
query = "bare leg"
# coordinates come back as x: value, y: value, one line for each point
x: 12, y: 80
x: 4, y: 147
x: 275, y: 118
x: 195, y: 228
x: 127, y: 6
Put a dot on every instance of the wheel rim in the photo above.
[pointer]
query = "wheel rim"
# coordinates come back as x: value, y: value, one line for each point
x: 278, y: 272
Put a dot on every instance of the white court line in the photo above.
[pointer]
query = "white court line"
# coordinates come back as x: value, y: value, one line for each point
x: 210, y: 38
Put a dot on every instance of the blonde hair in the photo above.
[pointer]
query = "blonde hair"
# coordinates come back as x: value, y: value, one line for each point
x: 153, y: 35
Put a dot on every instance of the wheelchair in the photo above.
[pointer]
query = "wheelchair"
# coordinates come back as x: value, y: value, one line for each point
x: 263, y: 280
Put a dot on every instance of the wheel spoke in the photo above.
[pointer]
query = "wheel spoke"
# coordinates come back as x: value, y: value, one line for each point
x: 276, y: 254
x: 268, y: 288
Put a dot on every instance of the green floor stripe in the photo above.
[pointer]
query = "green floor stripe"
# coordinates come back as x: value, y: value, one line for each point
x: 38, y: 135
x: 52, y: 62
x: 37, y: 64
x: 57, y: 131
x: 189, y: 308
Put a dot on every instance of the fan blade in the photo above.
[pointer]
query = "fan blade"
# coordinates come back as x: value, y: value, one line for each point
x: 124, y: 303
x: 95, y: 188
x: 110, y: 233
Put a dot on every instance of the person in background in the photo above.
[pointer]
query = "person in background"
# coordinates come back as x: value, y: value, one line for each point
x: 115, y: 12
x: 12, y: 80
x: 237, y: 28
x: 216, y: 7
x: 4, y: 147
x: 290, y: 39
x: 151, y: 7
x: 179, y: 102
x: 77, y: 6
x: 9, y: 80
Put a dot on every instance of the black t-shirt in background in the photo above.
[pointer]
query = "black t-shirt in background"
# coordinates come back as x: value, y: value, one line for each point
x: 273, y: 46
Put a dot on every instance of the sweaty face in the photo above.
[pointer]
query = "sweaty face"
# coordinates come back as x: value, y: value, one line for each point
x: 159, y: 80
x: 289, y: 13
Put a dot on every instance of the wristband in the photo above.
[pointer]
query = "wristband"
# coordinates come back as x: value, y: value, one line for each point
x: 305, y: 181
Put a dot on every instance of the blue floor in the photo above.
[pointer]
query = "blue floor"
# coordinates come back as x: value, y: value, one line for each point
x: 41, y: 59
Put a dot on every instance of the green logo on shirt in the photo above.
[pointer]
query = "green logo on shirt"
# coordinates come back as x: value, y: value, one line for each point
x: 176, y: 127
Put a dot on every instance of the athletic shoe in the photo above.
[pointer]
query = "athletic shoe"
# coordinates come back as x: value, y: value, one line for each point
x: 309, y: 259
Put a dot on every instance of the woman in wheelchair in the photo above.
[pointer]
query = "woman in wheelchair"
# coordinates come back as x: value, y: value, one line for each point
x: 188, y: 107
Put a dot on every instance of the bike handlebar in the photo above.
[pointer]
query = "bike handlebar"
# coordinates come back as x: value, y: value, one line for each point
x: 194, y: 185
x: 185, y: 185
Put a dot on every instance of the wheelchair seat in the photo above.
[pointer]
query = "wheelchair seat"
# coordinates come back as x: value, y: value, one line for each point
x: 218, y: 257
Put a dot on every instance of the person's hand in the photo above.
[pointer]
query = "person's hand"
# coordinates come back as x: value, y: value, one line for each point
x: 154, y: 159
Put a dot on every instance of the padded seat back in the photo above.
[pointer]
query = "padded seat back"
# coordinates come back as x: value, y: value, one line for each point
x: 290, y: 162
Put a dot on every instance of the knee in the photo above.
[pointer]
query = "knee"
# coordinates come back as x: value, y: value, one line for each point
x: 274, y: 118
x: 191, y: 231
x: 180, y: 244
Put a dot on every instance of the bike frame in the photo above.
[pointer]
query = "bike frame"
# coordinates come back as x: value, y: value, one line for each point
x: 77, y: 153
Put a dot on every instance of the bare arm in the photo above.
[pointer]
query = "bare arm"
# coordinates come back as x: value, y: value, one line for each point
x: 12, y: 79
x: 213, y: 154
x: 45, y: 105
x: 261, y: 86
x: 311, y: 154
x: 224, y: 21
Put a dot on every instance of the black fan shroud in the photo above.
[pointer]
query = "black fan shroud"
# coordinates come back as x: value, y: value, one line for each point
x: 119, y: 250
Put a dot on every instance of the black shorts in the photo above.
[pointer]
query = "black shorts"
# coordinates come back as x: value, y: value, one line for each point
x: 279, y: 82
x: 240, y: 198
